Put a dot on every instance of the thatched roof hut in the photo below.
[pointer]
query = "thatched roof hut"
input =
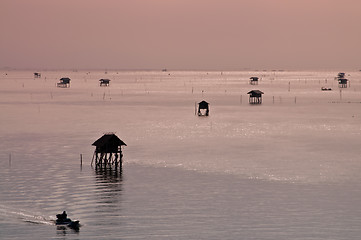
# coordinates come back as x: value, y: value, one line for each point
x: 104, y: 82
x: 255, y: 96
x: 342, y: 82
x: 108, y: 150
x: 64, y: 82
x: 253, y: 80
x: 203, y: 105
x: 37, y: 75
x: 108, y: 143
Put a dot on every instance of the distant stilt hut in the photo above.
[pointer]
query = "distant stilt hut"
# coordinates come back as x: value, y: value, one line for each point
x: 255, y: 96
x: 104, y: 82
x: 342, y: 83
x: 253, y: 81
x: 37, y: 75
x: 63, y: 83
x: 340, y: 75
x: 203, y: 106
x: 108, y: 151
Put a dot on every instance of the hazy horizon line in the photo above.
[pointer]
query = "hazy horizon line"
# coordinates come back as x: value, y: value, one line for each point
x: 178, y: 69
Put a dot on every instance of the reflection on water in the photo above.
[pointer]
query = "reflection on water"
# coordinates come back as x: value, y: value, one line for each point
x: 108, y: 188
x: 63, y: 230
x: 108, y: 174
x: 109, y: 183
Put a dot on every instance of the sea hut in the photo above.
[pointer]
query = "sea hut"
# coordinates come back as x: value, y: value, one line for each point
x: 37, y: 75
x: 108, y: 151
x: 255, y: 96
x: 253, y: 81
x: 63, y: 83
x: 203, y: 106
x: 340, y: 75
x: 342, y: 83
x: 104, y: 82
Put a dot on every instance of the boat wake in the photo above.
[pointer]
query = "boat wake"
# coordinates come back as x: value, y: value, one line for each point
x: 15, y: 215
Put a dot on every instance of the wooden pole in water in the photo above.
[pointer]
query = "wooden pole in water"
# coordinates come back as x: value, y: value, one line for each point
x: 91, y: 164
x: 9, y: 159
x: 195, y: 108
x: 81, y: 159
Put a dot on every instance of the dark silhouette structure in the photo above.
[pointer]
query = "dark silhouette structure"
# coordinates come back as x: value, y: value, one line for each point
x: 326, y: 89
x: 63, y: 83
x: 342, y: 83
x: 255, y: 96
x: 340, y: 75
x: 37, y: 75
x: 253, y: 81
x: 108, y: 151
x: 104, y: 82
x: 203, y: 105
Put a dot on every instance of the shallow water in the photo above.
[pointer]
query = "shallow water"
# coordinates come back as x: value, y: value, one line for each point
x: 286, y: 169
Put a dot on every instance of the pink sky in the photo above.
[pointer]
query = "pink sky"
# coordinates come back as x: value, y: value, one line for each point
x: 180, y: 34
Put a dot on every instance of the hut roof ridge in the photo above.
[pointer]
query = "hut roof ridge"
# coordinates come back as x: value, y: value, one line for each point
x: 255, y: 91
x: 106, y: 138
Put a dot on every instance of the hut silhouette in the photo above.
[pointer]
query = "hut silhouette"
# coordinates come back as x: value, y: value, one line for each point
x: 255, y: 96
x: 253, y: 81
x: 108, y: 151
x: 340, y: 75
x: 104, y: 82
x: 342, y: 82
x: 203, y: 105
x: 37, y: 75
x: 63, y: 83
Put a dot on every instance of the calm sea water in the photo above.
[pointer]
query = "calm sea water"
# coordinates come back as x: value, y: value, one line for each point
x: 287, y: 169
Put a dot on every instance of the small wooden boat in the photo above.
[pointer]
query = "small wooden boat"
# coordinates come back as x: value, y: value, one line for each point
x: 63, y: 220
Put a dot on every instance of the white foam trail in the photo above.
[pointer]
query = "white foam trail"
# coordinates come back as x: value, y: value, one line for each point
x: 23, y: 215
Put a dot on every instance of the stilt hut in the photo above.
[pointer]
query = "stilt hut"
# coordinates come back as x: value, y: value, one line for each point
x: 108, y: 151
x: 63, y: 83
x: 253, y: 81
x: 255, y: 96
x: 37, y: 75
x: 342, y: 83
x: 203, y: 106
x: 104, y: 82
x: 340, y: 75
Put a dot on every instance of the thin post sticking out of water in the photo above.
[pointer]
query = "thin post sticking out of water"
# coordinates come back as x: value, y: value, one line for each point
x: 340, y: 94
x: 81, y: 159
x: 9, y: 159
x: 195, y: 108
